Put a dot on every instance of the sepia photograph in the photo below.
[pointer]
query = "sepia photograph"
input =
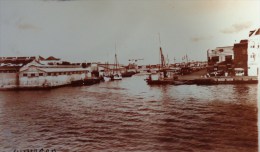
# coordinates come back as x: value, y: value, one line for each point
x: 129, y: 75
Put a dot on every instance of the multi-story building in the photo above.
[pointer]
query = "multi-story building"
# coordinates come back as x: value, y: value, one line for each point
x: 253, y: 52
x: 240, y: 55
x: 220, y: 54
x: 220, y: 58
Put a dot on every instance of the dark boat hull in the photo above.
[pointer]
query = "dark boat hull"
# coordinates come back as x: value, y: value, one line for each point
x: 128, y: 74
x: 159, y: 82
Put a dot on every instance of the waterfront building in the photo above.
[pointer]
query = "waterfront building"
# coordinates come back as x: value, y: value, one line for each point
x: 9, y: 70
x: 240, y: 55
x: 220, y: 54
x: 220, y: 58
x: 253, y: 52
x: 36, y: 72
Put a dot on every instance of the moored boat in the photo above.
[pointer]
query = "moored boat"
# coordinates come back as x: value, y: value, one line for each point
x: 128, y: 74
x: 117, y: 76
x: 106, y: 78
x: 164, y: 75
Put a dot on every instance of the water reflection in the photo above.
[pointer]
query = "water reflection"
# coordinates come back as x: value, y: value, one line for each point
x: 130, y: 115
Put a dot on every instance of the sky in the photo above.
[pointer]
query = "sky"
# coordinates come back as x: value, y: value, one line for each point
x: 93, y: 30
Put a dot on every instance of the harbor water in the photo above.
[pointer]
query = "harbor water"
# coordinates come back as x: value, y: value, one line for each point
x: 130, y: 115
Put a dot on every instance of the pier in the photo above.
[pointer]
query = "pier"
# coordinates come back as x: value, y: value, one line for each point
x: 197, y: 78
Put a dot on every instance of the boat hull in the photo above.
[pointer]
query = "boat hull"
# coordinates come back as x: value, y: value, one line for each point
x: 106, y: 79
x: 159, y: 82
x: 117, y: 77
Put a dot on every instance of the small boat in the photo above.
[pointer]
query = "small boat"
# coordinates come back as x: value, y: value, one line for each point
x: 107, y: 74
x: 106, y: 78
x: 158, y: 78
x: 117, y: 76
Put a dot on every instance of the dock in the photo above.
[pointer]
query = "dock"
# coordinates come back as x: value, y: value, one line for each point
x: 196, y: 78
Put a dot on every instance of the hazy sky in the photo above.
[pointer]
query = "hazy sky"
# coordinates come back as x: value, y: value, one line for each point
x: 86, y: 30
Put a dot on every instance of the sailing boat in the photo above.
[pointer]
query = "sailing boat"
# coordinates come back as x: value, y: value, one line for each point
x: 116, y: 73
x: 116, y: 70
x: 107, y: 76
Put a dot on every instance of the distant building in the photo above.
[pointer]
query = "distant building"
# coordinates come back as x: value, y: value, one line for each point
x: 50, y: 60
x: 220, y: 54
x: 15, y: 60
x: 253, y: 52
x: 110, y: 68
x: 240, y: 55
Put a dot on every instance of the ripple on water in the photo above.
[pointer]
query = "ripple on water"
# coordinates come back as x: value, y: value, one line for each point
x: 129, y: 115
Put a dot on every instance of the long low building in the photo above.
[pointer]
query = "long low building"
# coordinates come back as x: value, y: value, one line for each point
x: 36, y: 74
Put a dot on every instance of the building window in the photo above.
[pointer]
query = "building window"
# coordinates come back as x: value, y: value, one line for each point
x: 215, y: 58
x: 40, y: 74
x: 49, y: 74
x: 25, y: 75
x: 33, y: 75
x: 228, y: 58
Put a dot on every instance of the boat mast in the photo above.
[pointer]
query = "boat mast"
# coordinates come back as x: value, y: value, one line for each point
x: 107, y: 70
x: 116, y: 62
x: 161, y: 55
